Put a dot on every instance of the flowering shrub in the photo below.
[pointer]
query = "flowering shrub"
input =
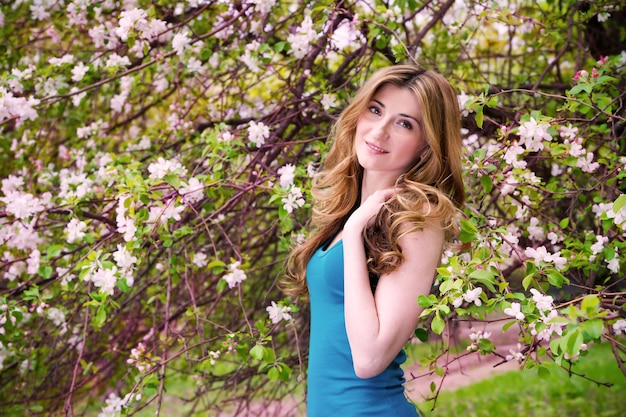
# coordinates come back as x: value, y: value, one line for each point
x: 155, y: 159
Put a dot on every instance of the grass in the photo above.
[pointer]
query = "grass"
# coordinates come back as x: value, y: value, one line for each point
x: 512, y: 394
x: 526, y: 394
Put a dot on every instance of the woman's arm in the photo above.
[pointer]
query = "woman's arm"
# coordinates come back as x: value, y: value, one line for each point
x: 379, y: 325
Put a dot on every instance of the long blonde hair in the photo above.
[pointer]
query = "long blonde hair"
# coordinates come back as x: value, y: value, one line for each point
x: 432, y: 190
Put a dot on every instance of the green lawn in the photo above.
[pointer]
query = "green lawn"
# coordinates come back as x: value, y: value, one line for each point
x: 525, y: 394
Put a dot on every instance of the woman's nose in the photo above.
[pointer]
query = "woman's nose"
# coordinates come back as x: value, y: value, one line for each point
x: 381, y: 130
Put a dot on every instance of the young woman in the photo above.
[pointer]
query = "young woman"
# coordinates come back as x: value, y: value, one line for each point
x: 386, y: 204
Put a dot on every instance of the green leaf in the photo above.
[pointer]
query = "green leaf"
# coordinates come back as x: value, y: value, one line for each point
x: 590, y: 304
x: 556, y: 278
x: 528, y: 279
x: 257, y: 352
x: 100, y: 317
x: 594, y: 328
x: 424, y: 301
x: 480, y: 117
x: 217, y: 266
x: 45, y: 271
x: 484, y: 277
x: 486, y: 345
x: 581, y: 87
x: 421, y: 334
x: 437, y: 324
x: 564, y: 223
x: 469, y: 232
x: 486, y: 182
x: 273, y: 374
x: 508, y: 325
x: 543, y: 372
x: 619, y: 203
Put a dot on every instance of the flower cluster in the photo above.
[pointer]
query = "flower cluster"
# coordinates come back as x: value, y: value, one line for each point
x: 301, y: 40
x: 475, y: 337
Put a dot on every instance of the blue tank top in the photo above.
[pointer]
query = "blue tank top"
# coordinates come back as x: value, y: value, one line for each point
x: 333, y: 387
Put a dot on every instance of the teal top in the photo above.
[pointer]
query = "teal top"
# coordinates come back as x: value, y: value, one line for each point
x: 333, y: 387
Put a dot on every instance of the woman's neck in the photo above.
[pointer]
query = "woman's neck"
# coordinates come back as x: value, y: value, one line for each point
x: 375, y: 182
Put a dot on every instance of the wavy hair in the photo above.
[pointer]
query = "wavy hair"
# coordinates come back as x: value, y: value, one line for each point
x: 431, y: 191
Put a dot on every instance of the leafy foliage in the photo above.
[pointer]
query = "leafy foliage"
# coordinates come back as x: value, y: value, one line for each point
x: 156, y: 157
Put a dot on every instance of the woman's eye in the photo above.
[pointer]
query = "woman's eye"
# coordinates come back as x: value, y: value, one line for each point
x: 374, y: 109
x: 406, y: 124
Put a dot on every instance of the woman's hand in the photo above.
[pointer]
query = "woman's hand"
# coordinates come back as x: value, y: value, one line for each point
x: 367, y: 210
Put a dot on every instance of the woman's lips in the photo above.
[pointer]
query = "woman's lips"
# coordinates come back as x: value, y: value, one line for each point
x: 375, y: 148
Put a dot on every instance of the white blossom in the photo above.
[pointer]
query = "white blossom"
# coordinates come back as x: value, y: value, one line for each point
x: 346, y: 35
x: 613, y: 264
x: 300, y: 40
x: 115, y: 60
x: 287, y: 174
x: 619, y: 327
x: 473, y: 296
x: 532, y: 134
x: 258, y: 133
x: 462, y: 99
x: 235, y: 276
x: 515, y: 311
x: 515, y: 354
x: 476, y: 337
x: 79, y: 71
x: 123, y: 258
x: 163, y: 214
x: 294, y: 200
x: 535, y: 231
x: 192, y: 192
x: 33, y: 262
x: 18, y: 107
x: 328, y: 101
x: 278, y: 312
x: 200, y: 259
x: 263, y: 6
x: 24, y: 205
x: 58, y: 318
x: 128, y: 20
x: 162, y: 167
x: 75, y: 230
x: 114, y: 405
x: 105, y: 279
x: 541, y: 254
x: 12, y: 184
x: 180, y: 42
x: 544, y: 302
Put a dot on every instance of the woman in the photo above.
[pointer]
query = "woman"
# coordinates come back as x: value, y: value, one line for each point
x: 386, y: 204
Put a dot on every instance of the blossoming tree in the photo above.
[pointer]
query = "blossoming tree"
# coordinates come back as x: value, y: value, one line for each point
x: 155, y: 161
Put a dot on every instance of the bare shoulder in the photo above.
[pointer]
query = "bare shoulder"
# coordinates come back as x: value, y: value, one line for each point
x: 430, y: 236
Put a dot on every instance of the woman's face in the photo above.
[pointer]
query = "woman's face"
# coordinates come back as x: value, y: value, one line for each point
x: 389, y: 137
